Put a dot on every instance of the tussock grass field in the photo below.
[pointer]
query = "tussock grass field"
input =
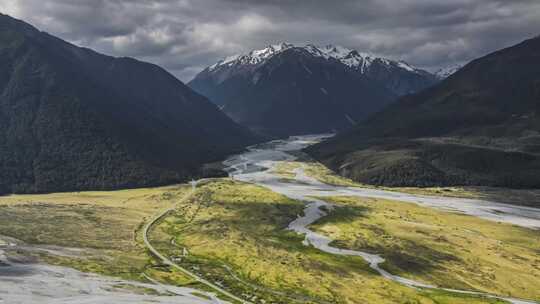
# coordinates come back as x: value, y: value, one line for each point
x: 447, y: 249
x: 106, y: 225
x: 235, y: 234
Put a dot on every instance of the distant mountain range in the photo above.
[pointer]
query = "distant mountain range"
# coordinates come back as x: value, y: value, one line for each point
x: 73, y: 119
x: 285, y: 89
x: 481, y: 126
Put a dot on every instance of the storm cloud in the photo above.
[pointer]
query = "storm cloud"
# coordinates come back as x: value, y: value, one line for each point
x: 184, y: 36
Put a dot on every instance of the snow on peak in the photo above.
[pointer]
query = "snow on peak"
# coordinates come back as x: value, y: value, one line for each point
x: 445, y: 72
x: 253, y: 57
x: 349, y: 57
x: 406, y: 66
x: 260, y: 55
x: 359, y: 60
x: 352, y: 58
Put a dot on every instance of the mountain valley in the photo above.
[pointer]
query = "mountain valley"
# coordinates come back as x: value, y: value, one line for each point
x: 290, y: 174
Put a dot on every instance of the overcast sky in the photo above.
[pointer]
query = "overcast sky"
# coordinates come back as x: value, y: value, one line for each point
x: 184, y: 36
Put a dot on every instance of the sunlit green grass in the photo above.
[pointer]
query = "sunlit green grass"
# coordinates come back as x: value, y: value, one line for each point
x: 242, y: 227
x: 447, y: 249
x: 235, y: 235
x: 106, y: 225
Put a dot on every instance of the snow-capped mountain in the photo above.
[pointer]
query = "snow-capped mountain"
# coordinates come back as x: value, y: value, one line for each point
x: 398, y: 76
x: 365, y: 63
x: 358, y: 60
x: 352, y: 58
x: 252, y: 58
x: 320, y: 88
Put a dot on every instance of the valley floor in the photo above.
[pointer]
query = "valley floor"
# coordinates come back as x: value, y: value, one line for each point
x: 241, y: 234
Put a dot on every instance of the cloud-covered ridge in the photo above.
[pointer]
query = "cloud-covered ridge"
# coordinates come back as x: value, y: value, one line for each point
x: 185, y: 36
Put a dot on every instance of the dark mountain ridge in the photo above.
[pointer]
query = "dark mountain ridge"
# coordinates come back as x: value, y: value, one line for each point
x: 480, y: 126
x: 73, y: 119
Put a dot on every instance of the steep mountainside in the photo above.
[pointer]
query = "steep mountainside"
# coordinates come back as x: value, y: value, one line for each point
x: 73, y: 119
x: 284, y: 90
x: 481, y: 126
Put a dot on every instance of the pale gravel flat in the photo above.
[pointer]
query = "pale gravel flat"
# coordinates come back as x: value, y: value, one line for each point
x: 27, y: 282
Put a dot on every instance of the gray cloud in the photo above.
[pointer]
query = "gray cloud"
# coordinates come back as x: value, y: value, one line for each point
x: 184, y: 36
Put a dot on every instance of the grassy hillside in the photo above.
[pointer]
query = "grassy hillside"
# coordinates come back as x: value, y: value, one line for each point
x: 428, y: 162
